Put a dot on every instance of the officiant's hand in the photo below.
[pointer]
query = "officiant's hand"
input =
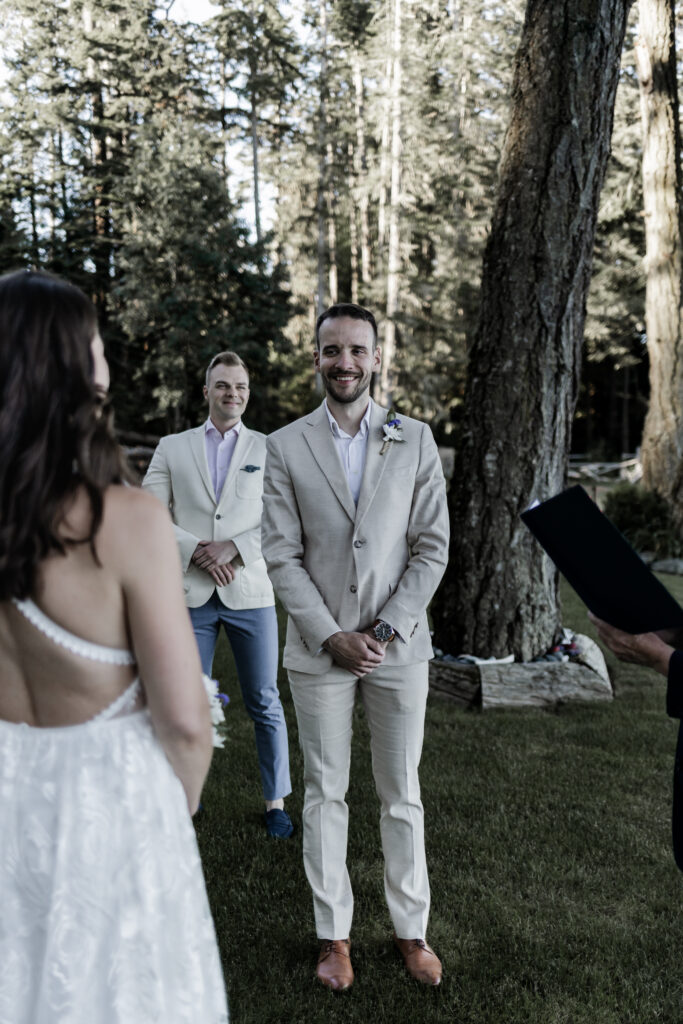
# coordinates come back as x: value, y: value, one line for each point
x: 673, y: 636
x: 356, y: 652
x: 637, y: 648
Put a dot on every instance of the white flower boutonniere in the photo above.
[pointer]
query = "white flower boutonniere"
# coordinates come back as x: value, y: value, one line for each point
x: 392, y: 431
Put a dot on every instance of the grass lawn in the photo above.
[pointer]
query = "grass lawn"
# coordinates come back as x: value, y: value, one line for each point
x: 555, y: 897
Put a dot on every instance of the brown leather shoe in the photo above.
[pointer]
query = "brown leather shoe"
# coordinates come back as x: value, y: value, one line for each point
x: 421, y: 961
x: 334, y: 964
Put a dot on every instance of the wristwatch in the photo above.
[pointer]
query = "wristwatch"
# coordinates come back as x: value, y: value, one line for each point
x: 383, y: 631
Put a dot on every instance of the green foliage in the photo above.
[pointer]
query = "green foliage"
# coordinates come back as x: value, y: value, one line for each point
x: 119, y: 130
x: 115, y: 178
x: 645, y: 520
x: 555, y: 897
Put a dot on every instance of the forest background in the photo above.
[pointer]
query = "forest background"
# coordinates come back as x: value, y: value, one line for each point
x: 215, y: 185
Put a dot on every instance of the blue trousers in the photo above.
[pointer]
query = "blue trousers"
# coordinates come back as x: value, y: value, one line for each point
x: 252, y: 633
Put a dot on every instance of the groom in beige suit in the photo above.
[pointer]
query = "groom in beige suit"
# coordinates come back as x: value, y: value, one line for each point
x: 355, y: 537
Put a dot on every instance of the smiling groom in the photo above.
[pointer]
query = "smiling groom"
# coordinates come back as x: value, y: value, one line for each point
x: 355, y: 536
x: 211, y: 479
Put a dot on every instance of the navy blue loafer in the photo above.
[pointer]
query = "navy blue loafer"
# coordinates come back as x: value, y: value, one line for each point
x: 279, y: 824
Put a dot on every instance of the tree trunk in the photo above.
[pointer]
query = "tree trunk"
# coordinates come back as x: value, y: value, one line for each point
x: 331, y: 222
x: 102, y: 247
x: 500, y: 591
x: 224, y: 127
x: 255, y: 159
x: 662, y: 447
x: 322, y: 162
x: 387, y: 375
x: 360, y: 173
x: 384, y: 157
x: 353, y: 226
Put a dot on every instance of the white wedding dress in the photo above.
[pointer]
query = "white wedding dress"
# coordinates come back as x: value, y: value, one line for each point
x: 104, y: 917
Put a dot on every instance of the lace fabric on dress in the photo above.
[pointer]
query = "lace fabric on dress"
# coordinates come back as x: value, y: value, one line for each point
x: 105, y: 918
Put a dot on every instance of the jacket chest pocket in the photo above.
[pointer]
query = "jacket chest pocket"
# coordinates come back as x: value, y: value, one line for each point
x: 249, y: 485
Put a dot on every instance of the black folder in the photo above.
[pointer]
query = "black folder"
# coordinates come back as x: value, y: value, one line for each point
x: 600, y: 564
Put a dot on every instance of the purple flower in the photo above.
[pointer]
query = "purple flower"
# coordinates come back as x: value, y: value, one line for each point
x: 223, y: 698
x: 394, y: 423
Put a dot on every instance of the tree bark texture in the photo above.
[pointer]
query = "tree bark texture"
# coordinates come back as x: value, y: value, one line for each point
x: 500, y: 593
x: 662, y: 448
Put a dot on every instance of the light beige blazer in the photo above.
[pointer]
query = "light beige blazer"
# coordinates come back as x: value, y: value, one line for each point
x: 179, y: 476
x: 338, y: 567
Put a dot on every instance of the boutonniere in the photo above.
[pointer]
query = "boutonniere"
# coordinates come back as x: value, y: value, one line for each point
x: 250, y: 469
x: 392, y: 431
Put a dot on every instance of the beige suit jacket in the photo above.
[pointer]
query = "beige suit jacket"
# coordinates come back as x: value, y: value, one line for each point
x: 336, y: 566
x: 179, y: 476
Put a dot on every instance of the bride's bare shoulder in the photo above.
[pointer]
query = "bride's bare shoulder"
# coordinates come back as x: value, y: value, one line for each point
x: 134, y: 519
x: 132, y: 503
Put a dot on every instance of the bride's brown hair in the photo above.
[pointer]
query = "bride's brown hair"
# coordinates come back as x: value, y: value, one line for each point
x: 55, y: 428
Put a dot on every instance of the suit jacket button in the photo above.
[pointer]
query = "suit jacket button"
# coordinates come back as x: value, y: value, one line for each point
x: 358, y: 543
x: 218, y: 515
x: 353, y: 588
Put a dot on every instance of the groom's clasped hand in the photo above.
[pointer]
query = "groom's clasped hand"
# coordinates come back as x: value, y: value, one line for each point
x: 359, y: 653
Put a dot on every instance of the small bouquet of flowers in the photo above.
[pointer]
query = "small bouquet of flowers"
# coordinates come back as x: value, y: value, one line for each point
x: 217, y: 701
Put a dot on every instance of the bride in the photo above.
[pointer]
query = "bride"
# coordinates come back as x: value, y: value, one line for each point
x: 105, y: 733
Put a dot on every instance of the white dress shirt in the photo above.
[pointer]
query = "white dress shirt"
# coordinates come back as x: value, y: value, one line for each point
x: 352, y: 450
x: 219, y: 449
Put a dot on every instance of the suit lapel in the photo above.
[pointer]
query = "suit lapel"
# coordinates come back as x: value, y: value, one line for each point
x: 245, y: 440
x: 318, y: 436
x: 375, y: 464
x: 198, y: 447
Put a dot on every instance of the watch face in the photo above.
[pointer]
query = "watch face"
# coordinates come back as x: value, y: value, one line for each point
x: 383, y: 632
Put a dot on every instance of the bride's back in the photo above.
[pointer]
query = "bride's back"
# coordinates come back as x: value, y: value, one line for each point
x: 47, y: 683
x: 62, y: 509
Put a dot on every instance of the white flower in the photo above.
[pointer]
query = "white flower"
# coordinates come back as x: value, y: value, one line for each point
x: 216, y: 709
x: 392, y: 433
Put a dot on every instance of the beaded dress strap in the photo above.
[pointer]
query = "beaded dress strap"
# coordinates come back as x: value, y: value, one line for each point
x: 75, y: 644
x: 123, y: 705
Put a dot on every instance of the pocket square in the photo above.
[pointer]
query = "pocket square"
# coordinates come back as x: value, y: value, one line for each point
x: 250, y: 469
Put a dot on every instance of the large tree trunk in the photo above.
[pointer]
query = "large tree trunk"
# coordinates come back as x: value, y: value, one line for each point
x: 662, y: 449
x: 500, y: 592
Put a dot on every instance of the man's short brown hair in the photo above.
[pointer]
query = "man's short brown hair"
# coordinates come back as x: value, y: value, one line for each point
x: 350, y: 309
x: 226, y: 359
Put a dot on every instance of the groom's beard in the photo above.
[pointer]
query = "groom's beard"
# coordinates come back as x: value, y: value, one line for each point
x: 346, y: 395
